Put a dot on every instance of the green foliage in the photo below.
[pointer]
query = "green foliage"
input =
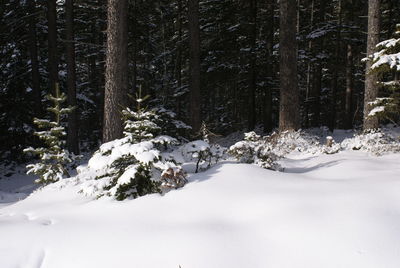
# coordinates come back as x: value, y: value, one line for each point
x: 132, y: 166
x: 386, y: 63
x: 139, y: 185
x: 53, y: 156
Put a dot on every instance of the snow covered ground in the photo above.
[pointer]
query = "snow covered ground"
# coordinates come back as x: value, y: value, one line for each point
x: 340, y: 210
x: 15, y: 185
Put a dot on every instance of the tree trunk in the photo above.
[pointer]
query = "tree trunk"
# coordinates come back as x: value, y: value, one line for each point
x: 116, y: 87
x: 289, y: 111
x: 348, y: 101
x: 349, y: 88
x: 309, y: 69
x: 135, y: 48
x: 33, y: 51
x: 194, y: 65
x: 52, y: 44
x: 179, y: 57
x: 253, y: 74
x: 315, y: 94
x: 72, y: 137
x: 270, y: 74
x: 371, y: 79
x: 336, y: 68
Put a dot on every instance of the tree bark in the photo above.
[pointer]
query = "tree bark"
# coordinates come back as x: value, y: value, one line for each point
x: 289, y: 110
x: 336, y: 68
x: 349, y: 88
x: 348, y: 108
x: 52, y: 44
x: 116, y: 87
x: 33, y: 51
x: 371, y: 79
x: 270, y: 72
x: 309, y: 69
x: 135, y: 48
x: 253, y: 71
x: 315, y: 94
x: 194, y: 65
x: 179, y: 56
x: 72, y: 136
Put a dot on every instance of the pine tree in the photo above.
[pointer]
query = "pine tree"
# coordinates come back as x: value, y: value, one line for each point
x: 139, y: 125
x: 136, y: 163
x: 386, y: 63
x: 53, y: 156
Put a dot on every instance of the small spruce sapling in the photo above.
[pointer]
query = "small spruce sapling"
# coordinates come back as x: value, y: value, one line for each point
x: 54, y: 158
x: 139, y: 163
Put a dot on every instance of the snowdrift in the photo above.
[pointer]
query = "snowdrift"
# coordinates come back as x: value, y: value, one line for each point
x: 338, y: 210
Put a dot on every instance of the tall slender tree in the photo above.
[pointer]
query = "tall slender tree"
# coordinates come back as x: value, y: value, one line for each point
x: 316, y: 87
x: 348, y: 122
x: 289, y: 110
x: 194, y: 65
x: 371, y: 78
x: 336, y: 69
x: 179, y: 48
x: 253, y: 63
x: 72, y: 137
x: 116, y: 88
x: 52, y: 44
x: 267, y: 111
x: 33, y: 51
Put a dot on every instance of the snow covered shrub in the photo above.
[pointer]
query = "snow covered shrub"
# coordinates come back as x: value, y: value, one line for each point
x: 173, y: 177
x: 376, y: 142
x: 288, y: 141
x: 137, y: 164
x: 255, y: 149
x: 54, y: 158
x: 331, y: 147
x: 202, y: 153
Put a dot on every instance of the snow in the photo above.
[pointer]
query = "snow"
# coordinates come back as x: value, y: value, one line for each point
x: 339, y: 210
x: 391, y: 60
x: 376, y: 110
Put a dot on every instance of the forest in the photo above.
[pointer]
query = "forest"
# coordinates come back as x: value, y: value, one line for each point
x: 199, y: 133
x: 217, y: 62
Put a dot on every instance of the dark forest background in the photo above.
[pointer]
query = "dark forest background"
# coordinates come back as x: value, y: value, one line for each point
x: 238, y: 72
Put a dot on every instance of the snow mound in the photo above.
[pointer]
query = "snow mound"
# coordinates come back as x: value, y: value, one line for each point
x: 325, y: 211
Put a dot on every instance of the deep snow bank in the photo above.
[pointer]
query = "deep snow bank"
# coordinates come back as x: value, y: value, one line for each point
x: 339, y: 210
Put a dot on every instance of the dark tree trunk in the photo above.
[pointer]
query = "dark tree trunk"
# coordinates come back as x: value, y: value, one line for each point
x: 349, y: 88
x: 52, y: 44
x: 348, y: 120
x: 33, y: 51
x: 72, y: 137
x: 270, y: 72
x: 336, y: 68
x: 289, y: 111
x: 116, y: 87
x: 315, y: 93
x: 309, y: 69
x: 371, y: 79
x: 194, y: 65
x: 253, y: 66
x: 135, y: 49
x: 179, y: 56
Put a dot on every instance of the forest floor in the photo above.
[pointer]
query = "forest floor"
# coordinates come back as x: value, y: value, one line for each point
x: 340, y: 210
